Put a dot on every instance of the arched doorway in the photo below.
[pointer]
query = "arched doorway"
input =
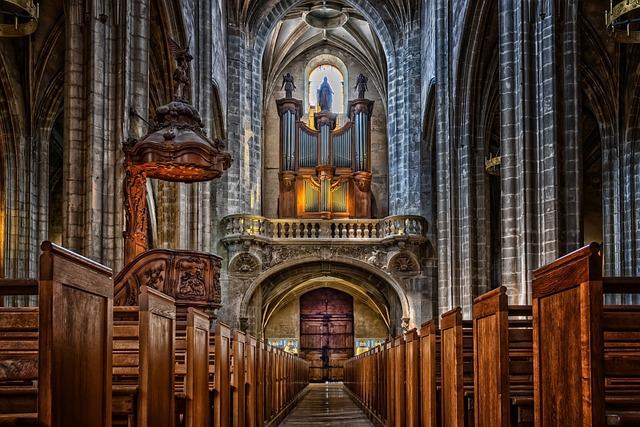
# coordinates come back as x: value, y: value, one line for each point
x: 326, y: 332
x: 271, y: 292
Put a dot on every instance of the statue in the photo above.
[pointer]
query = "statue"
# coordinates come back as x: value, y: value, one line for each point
x: 325, y: 96
x: 181, y: 74
x: 361, y: 85
x: 288, y: 85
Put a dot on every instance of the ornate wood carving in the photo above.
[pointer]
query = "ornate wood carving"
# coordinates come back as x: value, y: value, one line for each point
x: 191, y: 278
x: 135, y: 200
x: 176, y: 148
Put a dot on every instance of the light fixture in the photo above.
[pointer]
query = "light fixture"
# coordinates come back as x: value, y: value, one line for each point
x: 19, y: 17
x: 492, y: 164
x: 623, y: 27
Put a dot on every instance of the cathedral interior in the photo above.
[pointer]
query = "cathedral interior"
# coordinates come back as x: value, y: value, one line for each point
x: 330, y: 187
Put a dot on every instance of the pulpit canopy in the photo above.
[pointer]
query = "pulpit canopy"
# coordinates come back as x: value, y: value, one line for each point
x: 177, y: 147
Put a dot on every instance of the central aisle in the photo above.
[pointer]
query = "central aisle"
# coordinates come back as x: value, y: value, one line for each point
x: 327, y: 405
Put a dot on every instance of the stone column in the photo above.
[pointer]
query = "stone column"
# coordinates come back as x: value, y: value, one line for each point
x: 518, y: 170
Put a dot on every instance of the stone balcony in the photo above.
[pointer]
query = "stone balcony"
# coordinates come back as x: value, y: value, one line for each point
x: 388, y: 258
x: 397, y: 227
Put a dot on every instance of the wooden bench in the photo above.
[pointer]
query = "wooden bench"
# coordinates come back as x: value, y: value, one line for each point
x: 456, y: 369
x: 144, y: 361
x: 18, y: 355
x: 192, y: 393
x: 430, y: 374
x: 503, y: 361
x: 222, y: 385
x: 586, y: 354
x: 72, y: 358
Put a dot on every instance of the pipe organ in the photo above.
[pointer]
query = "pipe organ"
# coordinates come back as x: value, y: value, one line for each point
x: 325, y: 172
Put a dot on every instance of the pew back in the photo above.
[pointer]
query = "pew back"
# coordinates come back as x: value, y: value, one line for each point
x: 567, y: 299
x: 452, y: 369
x: 157, y: 358
x: 429, y: 374
x: 75, y: 316
x: 491, y: 361
x: 222, y: 391
x: 197, y: 379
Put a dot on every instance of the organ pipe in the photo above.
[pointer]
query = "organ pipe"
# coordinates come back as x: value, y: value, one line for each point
x: 325, y: 173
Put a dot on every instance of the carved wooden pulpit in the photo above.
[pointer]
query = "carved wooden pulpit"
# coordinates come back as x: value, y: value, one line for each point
x: 175, y: 149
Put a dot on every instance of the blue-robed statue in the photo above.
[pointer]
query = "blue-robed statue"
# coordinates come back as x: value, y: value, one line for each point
x: 325, y: 96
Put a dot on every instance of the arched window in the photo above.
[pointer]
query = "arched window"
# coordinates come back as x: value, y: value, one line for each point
x: 336, y: 80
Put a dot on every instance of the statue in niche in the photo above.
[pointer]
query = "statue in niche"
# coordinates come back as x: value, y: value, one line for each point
x: 181, y: 74
x: 361, y: 85
x: 288, y: 85
x: 325, y: 96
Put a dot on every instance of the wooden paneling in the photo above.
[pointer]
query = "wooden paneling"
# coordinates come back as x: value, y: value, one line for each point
x: 452, y: 369
x: 238, y: 379
x: 157, y: 359
x: 222, y: 402
x: 429, y: 374
x: 491, y: 361
x: 197, y: 380
x: 75, y: 309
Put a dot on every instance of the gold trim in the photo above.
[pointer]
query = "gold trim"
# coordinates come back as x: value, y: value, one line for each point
x: 492, y: 165
x: 616, y: 12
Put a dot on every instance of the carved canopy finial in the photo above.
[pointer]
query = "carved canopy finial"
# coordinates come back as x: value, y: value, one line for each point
x: 288, y: 85
x: 181, y: 75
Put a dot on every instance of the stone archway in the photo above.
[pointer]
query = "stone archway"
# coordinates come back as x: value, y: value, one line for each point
x: 369, y: 283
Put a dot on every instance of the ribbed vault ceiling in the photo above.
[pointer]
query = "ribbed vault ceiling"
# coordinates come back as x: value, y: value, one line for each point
x: 249, y: 13
x: 296, y: 34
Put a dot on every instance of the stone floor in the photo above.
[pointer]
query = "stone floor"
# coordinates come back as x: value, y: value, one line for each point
x: 327, y: 405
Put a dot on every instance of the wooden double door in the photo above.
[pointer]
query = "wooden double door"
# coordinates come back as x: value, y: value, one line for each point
x: 326, y: 332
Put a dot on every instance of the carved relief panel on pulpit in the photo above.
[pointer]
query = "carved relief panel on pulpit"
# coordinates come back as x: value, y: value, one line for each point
x: 325, y: 172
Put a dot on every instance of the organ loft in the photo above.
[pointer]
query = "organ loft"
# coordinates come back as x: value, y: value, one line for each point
x: 319, y: 212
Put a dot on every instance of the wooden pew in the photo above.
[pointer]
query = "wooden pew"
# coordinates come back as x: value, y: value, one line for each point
x: 503, y: 361
x: 412, y: 378
x: 285, y: 379
x: 75, y: 297
x: 586, y: 354
x: 18, y: 359
x: 397, y: 387
x: 238, y: 386
x: 192, y: 369
x: 252, y: 373
x: 456, y: 369
x: 144, y: 361
x: 222, y: 388
x: 197, y: 372
x: 429, y: 374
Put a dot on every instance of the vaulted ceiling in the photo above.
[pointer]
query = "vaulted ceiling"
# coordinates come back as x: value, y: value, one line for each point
x: 316, y: 24
x: 249, y: 13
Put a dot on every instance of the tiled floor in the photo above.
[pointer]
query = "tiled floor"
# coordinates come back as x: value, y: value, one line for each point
x: 326, y: 405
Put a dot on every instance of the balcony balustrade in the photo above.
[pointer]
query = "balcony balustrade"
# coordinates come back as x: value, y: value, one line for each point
x: 392, y: 227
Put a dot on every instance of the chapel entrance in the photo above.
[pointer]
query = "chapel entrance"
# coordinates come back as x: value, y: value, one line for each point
x: 326, y: 332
